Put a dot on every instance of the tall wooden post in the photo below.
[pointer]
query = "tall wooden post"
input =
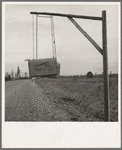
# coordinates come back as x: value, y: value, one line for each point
x: 105, y: 69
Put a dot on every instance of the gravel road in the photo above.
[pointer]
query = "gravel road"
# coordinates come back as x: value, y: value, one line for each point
x: 26, y: 101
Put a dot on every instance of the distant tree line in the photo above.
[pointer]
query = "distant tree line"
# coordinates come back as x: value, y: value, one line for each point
x: 16, y: 76
x: 8, y: 77
x: 89, y: 75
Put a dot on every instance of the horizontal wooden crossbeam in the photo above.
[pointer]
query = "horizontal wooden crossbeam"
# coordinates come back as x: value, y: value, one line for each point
x: 86, y: 35
x: 67, y: 15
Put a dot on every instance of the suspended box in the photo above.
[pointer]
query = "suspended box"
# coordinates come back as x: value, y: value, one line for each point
x: 43, y: 67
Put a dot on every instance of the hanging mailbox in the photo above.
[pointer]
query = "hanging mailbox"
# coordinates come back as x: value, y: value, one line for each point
x: 43, y: 67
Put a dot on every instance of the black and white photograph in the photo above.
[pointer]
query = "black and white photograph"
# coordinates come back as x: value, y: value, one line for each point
x: 61, y: 71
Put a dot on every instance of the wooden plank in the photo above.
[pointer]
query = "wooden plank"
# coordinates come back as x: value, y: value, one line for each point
x: 86, y: 35
x: 67, y: 15
x: 105, y: 69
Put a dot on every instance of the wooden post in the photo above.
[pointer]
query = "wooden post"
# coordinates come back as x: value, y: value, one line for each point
x: 105, y: 69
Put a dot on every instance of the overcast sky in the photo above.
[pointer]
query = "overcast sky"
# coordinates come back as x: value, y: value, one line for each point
x: 74, y: 52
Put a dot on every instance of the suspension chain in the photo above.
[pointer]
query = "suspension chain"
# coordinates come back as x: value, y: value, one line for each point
x: 53, y: 37
x: 33, y: 33
x: 36, y: 36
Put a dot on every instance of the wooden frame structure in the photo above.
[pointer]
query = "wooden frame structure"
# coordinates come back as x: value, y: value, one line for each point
x: 103, y: 50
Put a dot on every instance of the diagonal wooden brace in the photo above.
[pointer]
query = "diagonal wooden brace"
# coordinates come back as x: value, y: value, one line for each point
x: 86, y: 35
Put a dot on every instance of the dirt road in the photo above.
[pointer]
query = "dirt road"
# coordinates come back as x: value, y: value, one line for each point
x: 55, y: 100
x: 26, y: 101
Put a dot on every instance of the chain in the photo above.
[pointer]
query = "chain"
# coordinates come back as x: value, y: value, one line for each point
x: 53, y: 37
x: 33, y: 33
x: 36, y: 36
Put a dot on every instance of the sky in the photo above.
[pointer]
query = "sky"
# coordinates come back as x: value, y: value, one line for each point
x: 75, y: 53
